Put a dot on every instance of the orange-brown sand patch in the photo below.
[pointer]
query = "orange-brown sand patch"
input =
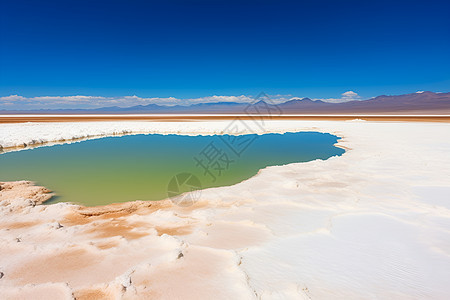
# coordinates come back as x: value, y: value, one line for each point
x: 106, y: 245
x: 51, y: 268
x: 177, y: 230
x: 83, y: 215
x: 19, y: 225
x: 183, y: 118
x: 91, y: 294
x: 23, y: 190
x: 115, y: 227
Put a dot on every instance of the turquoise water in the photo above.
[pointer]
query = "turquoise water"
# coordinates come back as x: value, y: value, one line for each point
x: 140, y: 167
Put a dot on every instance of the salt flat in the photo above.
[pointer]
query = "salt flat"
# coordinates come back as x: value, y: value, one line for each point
x: 372, y: 223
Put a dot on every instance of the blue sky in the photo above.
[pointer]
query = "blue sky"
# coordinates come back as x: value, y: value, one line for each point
x: 196, y: 49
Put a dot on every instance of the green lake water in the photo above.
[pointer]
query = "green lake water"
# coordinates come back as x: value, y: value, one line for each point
x: 140, y: 167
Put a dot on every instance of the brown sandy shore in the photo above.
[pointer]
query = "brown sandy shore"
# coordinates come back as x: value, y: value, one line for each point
x: 185, y: 118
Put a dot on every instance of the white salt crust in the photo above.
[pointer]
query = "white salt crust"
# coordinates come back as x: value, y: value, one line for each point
x: 372, y: 223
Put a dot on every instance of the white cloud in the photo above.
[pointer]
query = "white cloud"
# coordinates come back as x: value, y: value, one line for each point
x: 347, y: 96
x: 80, y: 101
x: 350, y: 95
x: 16, y: 102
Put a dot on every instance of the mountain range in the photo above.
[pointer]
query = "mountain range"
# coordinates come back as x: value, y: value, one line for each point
x: 415, y: 103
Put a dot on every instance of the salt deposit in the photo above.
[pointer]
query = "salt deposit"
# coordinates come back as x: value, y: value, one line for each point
x: 373, y: 222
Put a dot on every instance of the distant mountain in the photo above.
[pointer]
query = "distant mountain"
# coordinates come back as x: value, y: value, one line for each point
x: 416, y: 103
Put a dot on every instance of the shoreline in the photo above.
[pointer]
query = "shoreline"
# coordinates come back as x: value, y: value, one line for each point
x: 5, y: 119
x: 57, y: 133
